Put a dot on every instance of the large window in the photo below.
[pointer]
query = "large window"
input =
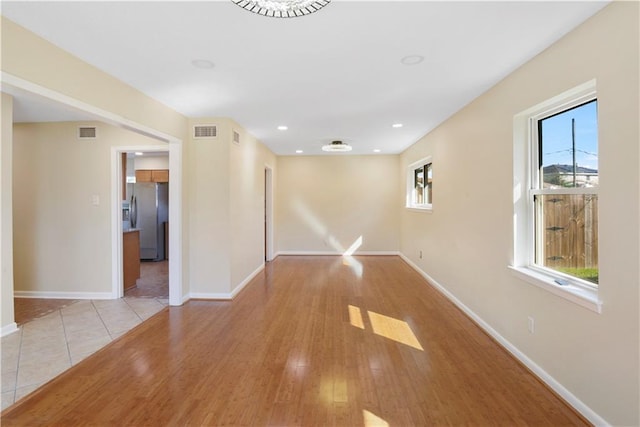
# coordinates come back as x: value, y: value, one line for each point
x: 555, y: 196
x: 420, y: 185
x: 565, y: 193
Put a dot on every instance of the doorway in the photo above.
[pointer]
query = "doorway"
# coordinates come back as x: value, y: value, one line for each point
x: 173, y: 264
x: 268, y: 214
x: 145, y: 224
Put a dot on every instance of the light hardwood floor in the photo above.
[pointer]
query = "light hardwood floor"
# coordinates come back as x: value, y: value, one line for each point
x: 311, y: 341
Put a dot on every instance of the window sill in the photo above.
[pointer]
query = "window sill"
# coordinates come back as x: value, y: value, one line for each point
x: 587, y: 298
x: 419, y: 209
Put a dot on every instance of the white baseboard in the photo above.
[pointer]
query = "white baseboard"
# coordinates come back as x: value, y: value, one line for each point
x: 212, y: 296
x: 569, y: 397
x: 9, y: 329
x: 227, y: 296
x: 246, y: 281
x: 63, y: 295
x: 335, y: 253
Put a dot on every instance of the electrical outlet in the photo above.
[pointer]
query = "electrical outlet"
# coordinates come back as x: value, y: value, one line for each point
x: 532, y: 324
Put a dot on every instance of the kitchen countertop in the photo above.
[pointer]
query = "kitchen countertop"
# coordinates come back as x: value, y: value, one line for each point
x: 129, y: 230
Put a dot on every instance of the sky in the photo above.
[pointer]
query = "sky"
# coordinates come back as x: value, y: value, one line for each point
x: 556, y: 137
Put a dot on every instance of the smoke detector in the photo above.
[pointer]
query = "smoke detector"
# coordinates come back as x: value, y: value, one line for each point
x: 337, y: 146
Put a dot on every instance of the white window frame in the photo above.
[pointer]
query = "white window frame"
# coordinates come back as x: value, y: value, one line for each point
x: 526, y: 179
x: 410, y: 199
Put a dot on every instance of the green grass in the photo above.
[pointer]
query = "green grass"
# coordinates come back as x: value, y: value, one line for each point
x: 589, y: 274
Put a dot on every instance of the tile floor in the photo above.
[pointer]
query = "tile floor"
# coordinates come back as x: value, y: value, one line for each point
x: 45, y: 347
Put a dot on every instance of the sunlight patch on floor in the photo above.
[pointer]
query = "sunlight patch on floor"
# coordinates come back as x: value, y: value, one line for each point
x: 355, y: 317
x: 394, y: 329
x: 372, y: 420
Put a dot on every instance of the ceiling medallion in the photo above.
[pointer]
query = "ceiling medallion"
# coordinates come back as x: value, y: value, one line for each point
x: 282, y: 8
x: 337, y: 146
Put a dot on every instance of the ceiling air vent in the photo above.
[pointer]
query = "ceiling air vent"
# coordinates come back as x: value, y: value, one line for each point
x: 87, y: 132
x: 205, y: 131
x: 236, y: 137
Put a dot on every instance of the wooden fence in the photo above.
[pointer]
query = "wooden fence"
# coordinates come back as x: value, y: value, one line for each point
x: 571, y: 231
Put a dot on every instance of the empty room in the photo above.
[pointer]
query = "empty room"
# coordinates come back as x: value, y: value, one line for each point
x: 315, y: 212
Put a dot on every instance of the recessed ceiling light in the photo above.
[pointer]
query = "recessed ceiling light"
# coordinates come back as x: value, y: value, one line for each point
x: 139, y: 153
x: 377, y: 150
x: 299, y: 151
x: 412, y: 59
x: 202, y: 63
x: 396, y: 125
x: 282, y: 128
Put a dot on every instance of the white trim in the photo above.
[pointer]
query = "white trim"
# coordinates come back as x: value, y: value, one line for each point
x: 176, y: 286
x: 587, y: 298
x: 62, y: 295
x: 232, y: 294
x: 268, y: 175
x: 246, y: 281
x: 205, y: 295
x: 556, y: 386
x: 552, y: 191
x: 334, y: 253
x: 9, y: 329
x: 175, y: 184
x: 425, y: 209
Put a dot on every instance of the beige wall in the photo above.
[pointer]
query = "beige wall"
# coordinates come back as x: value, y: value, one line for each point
x: 467, y: 240
x: 326, y: 203
x: 6, y: 215
x: 150, y: 162
x: 226, y: 209
x: 209, y: 235
x: 62, y: 241
x: 248, y: 160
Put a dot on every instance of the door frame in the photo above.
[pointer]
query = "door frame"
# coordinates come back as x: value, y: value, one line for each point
x: 268, y: 213
x: 176, y: 290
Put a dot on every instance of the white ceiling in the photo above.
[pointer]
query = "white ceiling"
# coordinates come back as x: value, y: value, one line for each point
x: 335, y: 74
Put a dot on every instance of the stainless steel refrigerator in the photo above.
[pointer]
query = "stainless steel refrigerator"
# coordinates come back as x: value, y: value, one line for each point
x: 149, y: 211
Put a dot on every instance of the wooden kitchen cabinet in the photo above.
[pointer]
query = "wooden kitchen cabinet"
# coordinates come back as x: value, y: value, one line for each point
x: 160, y: 175
x: 130, y: 258
x: 152, y: 175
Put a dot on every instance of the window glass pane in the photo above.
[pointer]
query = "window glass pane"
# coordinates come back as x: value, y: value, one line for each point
x: 568, y: 148
x: 429, y: 184
x: 418, y: 185
x: 567, y: 234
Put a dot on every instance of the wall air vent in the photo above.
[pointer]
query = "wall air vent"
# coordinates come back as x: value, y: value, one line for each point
x: 87, y: 132
x: 205, y: 131
x: 236, y: 137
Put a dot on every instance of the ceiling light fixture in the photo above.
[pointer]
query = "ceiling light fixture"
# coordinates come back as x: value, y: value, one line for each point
x: 377, y: 150
x: 396, y: 125
x: 282, y: 128
x: 282, y: 8
x: 412, y: 59
x: 205, y: 64
x: 299, y: 151
x: 139, y: 153
x: 337, y: 146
